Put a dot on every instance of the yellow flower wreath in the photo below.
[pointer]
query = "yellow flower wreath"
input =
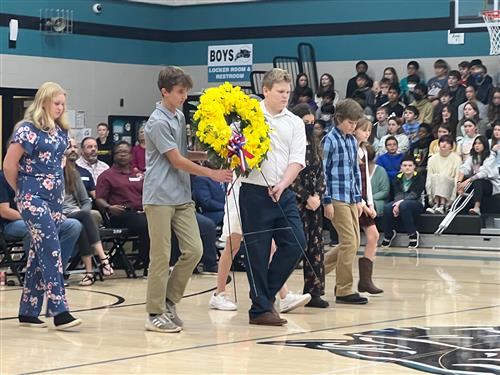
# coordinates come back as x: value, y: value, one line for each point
x: 231, y: 127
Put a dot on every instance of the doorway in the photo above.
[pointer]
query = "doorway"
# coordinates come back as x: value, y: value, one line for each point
x: 13, y: 103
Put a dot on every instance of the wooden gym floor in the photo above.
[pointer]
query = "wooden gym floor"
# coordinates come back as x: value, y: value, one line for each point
x: 440, y: 314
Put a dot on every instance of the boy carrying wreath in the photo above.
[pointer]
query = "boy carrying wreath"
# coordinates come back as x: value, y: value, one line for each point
x: 167, y: 201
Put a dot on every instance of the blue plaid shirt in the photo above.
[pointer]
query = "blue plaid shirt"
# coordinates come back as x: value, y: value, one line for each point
x: 342, y: 174
x: 411, y: 130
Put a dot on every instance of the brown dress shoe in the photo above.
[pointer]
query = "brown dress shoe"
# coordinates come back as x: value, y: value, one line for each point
x: 277, y: 315
x: 267, y: 319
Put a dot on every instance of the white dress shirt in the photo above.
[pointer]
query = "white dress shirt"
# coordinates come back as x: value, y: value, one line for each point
x: 288, y: 145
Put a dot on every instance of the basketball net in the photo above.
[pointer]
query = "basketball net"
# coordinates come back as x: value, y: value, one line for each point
x: 492, y: 21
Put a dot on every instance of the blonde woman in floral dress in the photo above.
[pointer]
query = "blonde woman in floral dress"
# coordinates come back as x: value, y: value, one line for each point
x: 37, y: 147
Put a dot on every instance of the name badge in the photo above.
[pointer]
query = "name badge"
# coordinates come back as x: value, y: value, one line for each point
x: 85, y: 179
x: 134, y: 179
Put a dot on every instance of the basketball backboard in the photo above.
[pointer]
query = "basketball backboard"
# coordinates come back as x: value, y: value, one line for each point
x: 467, y: 15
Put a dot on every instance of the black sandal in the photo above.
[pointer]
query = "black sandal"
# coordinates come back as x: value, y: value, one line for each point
x: 88, y: 280
x: 106, y: 268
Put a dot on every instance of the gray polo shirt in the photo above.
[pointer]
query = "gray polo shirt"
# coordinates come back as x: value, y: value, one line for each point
x: 164, y: 184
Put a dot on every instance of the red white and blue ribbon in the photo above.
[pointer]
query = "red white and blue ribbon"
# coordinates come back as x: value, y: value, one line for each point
x: 236, y: 146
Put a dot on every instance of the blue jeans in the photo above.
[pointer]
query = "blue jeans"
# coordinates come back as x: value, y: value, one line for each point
x: 408, y: 212
x: 68, y: 236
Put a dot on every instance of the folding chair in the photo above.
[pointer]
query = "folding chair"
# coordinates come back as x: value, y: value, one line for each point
x: 9, y: 249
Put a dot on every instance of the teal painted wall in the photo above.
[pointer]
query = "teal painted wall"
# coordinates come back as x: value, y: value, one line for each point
x: 268, y: 13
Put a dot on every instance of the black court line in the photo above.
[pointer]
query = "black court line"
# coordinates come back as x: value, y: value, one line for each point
x: 122, y: 305
x: 118, y: 304
x: 251, y: 340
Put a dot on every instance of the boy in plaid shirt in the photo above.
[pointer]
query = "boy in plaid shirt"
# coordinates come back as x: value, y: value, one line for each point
x: 342, y: 201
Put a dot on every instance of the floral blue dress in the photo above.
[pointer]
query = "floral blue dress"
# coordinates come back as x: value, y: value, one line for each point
x: 39, y: 197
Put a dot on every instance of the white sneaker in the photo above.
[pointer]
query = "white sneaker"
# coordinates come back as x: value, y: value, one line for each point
x: 432, y: 210
x: 221, y: 302
x: 161, y: 323
x: 293, y: 301
x: 439, y: 210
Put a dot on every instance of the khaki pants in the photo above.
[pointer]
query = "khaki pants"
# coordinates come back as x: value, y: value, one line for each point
x: 161, y: 220
x: 341, y: 257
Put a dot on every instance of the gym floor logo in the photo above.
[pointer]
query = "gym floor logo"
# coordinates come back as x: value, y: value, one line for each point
x: 436, y: 350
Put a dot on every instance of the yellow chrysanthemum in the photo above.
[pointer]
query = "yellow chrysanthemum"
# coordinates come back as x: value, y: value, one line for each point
x: 224, y: 110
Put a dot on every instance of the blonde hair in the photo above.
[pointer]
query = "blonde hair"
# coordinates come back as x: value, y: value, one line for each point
x: 275, y: 75
x: 38, y: 115
x: 363, y: 124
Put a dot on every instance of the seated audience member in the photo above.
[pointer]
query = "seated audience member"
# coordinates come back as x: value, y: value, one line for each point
x: 362, y: 82
x: 210, y: 197
x: 411, y: 125
x: 395, y: 107
x: 119, y: 194
x: 471, y: 112
x: 456, y: 90
x: 381, y: 89
x: 139, y: 151
x: 14, y: 228
x: 482, y: 82
x: 482, y: 170
x: 88, y: 159
x: 447, y: 118
x: 327, y: 109
x: 326, y: 85
x: 208, y: 237
x: 391, y: 160
x: 379, y: 129
x: 442, y: 172
x: 442, y: 130
x: 395, y: 129
x: 391, y: 74
x: 302, y: 93
x: 494, y: 107
x: 408, y: 187
x: 495, y: 140
x: 381, y: 186
x: 470, y: 95
x: 439, y: 82
x: 419, y: 149
x: 413, y: 81
x: 412, y: 68
x: 360, y: 98
x: 464, y: 144
x: 320, y: 130
x: 463, y: 68
x: 77, y: 205
x: 422, y: 103
x: 444, y: 100
x: 361, y: 67
x: 104, y: 144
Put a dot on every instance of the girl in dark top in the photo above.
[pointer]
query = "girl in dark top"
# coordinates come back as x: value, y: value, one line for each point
x: 309, y: 188
x: 448, y: 118
x: 302, y: 92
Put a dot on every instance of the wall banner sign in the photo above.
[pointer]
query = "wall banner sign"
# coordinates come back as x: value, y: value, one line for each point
x: 231, y: 63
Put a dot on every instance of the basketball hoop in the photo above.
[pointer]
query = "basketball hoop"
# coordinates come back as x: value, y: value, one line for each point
x: 492, y: 21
